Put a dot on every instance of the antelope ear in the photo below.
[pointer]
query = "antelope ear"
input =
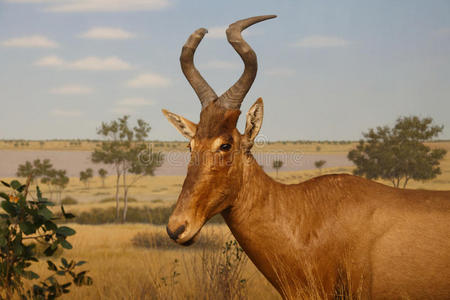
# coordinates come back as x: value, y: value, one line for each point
x: 184, y: 126
x: 254, y: 121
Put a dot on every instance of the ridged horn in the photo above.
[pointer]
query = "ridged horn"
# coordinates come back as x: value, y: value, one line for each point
x: 204, y: 92
x: 234, y: 96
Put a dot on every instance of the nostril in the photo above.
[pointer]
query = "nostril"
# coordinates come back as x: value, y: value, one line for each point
x: 174, y: 235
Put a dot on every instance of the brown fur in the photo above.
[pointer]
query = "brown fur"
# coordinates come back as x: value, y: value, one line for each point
x: 393, y: 242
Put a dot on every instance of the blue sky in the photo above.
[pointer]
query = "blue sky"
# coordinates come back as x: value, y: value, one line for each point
x: 327, y: 69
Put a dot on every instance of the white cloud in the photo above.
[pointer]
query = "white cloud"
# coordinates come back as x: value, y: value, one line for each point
x: 65, y: 113
x: 90, y: 63
x: 97, y: 64
x: 321, y: 41
x: 72, y: 89
x: 99, y: 5
x: 148, y: 80
x: 50, y: 61
x: 33, y: 41
x: 107, y: 33
x: 135, y: 102
x: 221, y: 65
x: 284, y: 72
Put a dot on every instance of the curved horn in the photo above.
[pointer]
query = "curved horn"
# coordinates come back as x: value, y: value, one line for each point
x: 234, y: 96
x: 204, y: 92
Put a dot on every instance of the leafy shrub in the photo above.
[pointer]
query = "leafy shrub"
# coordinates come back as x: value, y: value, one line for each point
x: 24, y: 224
x: 68, y: 200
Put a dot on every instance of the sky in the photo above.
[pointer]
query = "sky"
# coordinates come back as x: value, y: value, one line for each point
x: 328, y: 70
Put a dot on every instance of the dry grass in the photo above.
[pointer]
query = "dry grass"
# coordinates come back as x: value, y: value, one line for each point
x: 123, y: 271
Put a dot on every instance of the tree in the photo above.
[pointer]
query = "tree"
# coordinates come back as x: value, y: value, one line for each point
x: 319, y: 164
x: 47, y: 174
x: 59, y: 181
x: 102, y: 173
x: 37, y: 169
x: 126, y: 150
x: 399, y: 154
x: 86, y: 176
x: 277, y: 164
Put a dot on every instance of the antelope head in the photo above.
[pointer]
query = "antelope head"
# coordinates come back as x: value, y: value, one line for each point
x: 218, y: 150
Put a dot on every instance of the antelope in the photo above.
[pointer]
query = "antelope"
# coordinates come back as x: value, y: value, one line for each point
x: 377, y: 241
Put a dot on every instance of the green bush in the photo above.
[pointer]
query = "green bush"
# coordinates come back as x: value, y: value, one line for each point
x: 23, y: 224
x: 68, y: 200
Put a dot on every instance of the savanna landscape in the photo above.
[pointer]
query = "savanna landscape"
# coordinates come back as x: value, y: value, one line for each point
x: 137, y: 260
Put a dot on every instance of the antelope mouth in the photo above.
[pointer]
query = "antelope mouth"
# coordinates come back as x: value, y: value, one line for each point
x: 192, y: 240
x: 188, y: 237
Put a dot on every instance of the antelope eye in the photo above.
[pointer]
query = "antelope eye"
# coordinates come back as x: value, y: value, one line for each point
x: 225, y: 147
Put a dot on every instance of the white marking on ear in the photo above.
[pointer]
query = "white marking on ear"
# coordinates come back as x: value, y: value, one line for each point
x: 184, y: 126
x: 254, y: 121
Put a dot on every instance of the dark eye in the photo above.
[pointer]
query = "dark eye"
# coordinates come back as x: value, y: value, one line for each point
x: 225, y: 147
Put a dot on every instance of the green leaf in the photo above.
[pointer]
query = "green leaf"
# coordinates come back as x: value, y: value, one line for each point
x: 51, y: 266
x: 64, y: 262
x: 65, y: 244
x: 65, y: 231
x: 18, y: 247
x: 10, y: 208
x: 45, y: 213
x: 5, y: 184
x: 38, y: 193
x: 22, y: 188
x: 15, y: 184
x: 50, y: 226
x: 67, y: 215
x: 4, y: 196
x: 30, y: 275
x: 49, y: 251
x: 27, y: 227
x: 80, y: 263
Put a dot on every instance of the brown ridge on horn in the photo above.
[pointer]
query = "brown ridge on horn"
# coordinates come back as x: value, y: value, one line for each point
x: 204, y: 92
x: 234, y: 96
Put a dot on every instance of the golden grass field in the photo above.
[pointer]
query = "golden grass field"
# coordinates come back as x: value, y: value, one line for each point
x: 123, y: 271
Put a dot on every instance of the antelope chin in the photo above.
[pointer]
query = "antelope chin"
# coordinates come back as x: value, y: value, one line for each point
x: 187, y: 240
